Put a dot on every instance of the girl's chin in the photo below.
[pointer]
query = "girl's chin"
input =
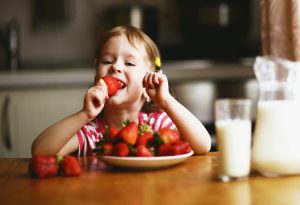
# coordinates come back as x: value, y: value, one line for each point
x: 116, y: 100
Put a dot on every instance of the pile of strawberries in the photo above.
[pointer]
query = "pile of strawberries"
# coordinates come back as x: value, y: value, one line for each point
x: 49, y: 166
x: 140, y: 141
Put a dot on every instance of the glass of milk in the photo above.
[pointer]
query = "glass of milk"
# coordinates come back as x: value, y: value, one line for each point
x: 233, y: 130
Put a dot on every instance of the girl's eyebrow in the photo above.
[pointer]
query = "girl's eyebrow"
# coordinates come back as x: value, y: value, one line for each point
x: 129, y: 55
x: 125, y: 55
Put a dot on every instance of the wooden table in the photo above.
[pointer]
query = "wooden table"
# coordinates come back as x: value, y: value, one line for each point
x: 192, y: 182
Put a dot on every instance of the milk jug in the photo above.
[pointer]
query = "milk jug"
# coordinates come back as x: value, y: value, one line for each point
x: 276, y: 139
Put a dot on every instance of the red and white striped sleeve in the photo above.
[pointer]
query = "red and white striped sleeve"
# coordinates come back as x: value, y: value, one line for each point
x: 88, y: 136
x: 157, y: 120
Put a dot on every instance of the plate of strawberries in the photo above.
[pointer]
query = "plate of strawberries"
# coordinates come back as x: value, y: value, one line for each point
x: 138, y: 147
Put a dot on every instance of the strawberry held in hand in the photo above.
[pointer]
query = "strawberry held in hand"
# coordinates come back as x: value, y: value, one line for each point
x: 43, y: 166
x: 113, y: 84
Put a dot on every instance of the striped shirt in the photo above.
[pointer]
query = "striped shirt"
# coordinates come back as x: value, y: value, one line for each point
x: 93, y: 131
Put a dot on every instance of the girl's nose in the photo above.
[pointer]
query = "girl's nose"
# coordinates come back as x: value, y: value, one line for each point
x: 115, y: 68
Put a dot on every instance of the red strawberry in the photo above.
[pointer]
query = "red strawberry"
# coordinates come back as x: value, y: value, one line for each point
x: 144, y: 138
x: 110, y: 134
x: 43, y: 166
x: 166, y: 150
x: 143, y: 151
x: 168, y: 135
x: 145, y: 135
x: 121, y: 149
x: 113, y: 84
x: 129, y: 133
x: 106, y: 149
x: 181, y: 147
x: 113, y: 132
x: 70, y: 166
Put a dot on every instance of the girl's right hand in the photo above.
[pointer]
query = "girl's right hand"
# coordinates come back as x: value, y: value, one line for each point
x: 94, y: 100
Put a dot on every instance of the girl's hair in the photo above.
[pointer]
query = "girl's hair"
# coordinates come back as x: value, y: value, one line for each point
x: 136, y: 38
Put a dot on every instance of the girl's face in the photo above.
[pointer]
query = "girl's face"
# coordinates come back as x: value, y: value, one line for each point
x: 127, y: 63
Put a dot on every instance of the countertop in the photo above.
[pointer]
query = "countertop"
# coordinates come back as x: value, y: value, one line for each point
x: 193, y: 181
x: 176, y: 71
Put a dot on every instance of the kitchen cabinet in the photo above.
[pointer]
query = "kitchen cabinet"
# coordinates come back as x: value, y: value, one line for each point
x: 27, y: 112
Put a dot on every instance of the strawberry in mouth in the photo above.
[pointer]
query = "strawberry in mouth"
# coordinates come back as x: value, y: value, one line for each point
x: 113, y: 84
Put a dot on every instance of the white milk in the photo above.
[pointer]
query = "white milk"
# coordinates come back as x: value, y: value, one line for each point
x: 234, y: 145
x: 276, y: 148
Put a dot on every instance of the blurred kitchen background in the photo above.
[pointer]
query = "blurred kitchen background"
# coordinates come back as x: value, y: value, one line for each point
x: 47, y: 50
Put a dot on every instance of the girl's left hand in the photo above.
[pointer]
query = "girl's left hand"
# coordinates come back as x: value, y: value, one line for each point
x: 157, y: 87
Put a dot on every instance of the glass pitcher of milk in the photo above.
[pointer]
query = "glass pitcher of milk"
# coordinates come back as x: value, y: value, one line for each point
x: 276, y: 143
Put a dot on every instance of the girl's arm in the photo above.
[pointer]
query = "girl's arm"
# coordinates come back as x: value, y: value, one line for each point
x: 61, y: 138
x: 190, y: 128
x: 56, y: 137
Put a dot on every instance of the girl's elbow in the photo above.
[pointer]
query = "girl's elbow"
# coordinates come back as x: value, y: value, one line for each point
x: 204, y: 148
x: 36, y: 149
x: 207, y: 148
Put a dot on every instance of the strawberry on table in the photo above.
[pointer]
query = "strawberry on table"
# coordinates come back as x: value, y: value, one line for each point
x: 129, y: 133
x: 70, y: 166
x: 43, y: 166
x: 113, y: 84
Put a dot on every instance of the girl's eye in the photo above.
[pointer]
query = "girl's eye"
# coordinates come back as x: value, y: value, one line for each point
x: 107, y: 62
x: 129, y: 64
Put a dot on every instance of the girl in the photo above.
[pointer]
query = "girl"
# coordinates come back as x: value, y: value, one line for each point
x: 131, y: 56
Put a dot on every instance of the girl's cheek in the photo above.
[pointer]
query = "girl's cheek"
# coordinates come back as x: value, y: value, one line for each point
x: 102, y: 72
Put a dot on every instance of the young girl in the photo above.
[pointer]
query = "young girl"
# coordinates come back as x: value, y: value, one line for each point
x: 131, y: 56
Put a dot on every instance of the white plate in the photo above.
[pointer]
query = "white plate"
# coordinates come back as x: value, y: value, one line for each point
x: 145, y: 162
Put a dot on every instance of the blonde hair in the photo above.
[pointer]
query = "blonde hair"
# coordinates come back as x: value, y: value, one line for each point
x: 136, y: 38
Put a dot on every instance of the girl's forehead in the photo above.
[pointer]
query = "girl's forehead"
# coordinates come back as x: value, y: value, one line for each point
x: 121, y: 43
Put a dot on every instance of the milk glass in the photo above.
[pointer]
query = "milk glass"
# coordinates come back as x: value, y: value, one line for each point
x: 276, y: 145
x: 233, y: 129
